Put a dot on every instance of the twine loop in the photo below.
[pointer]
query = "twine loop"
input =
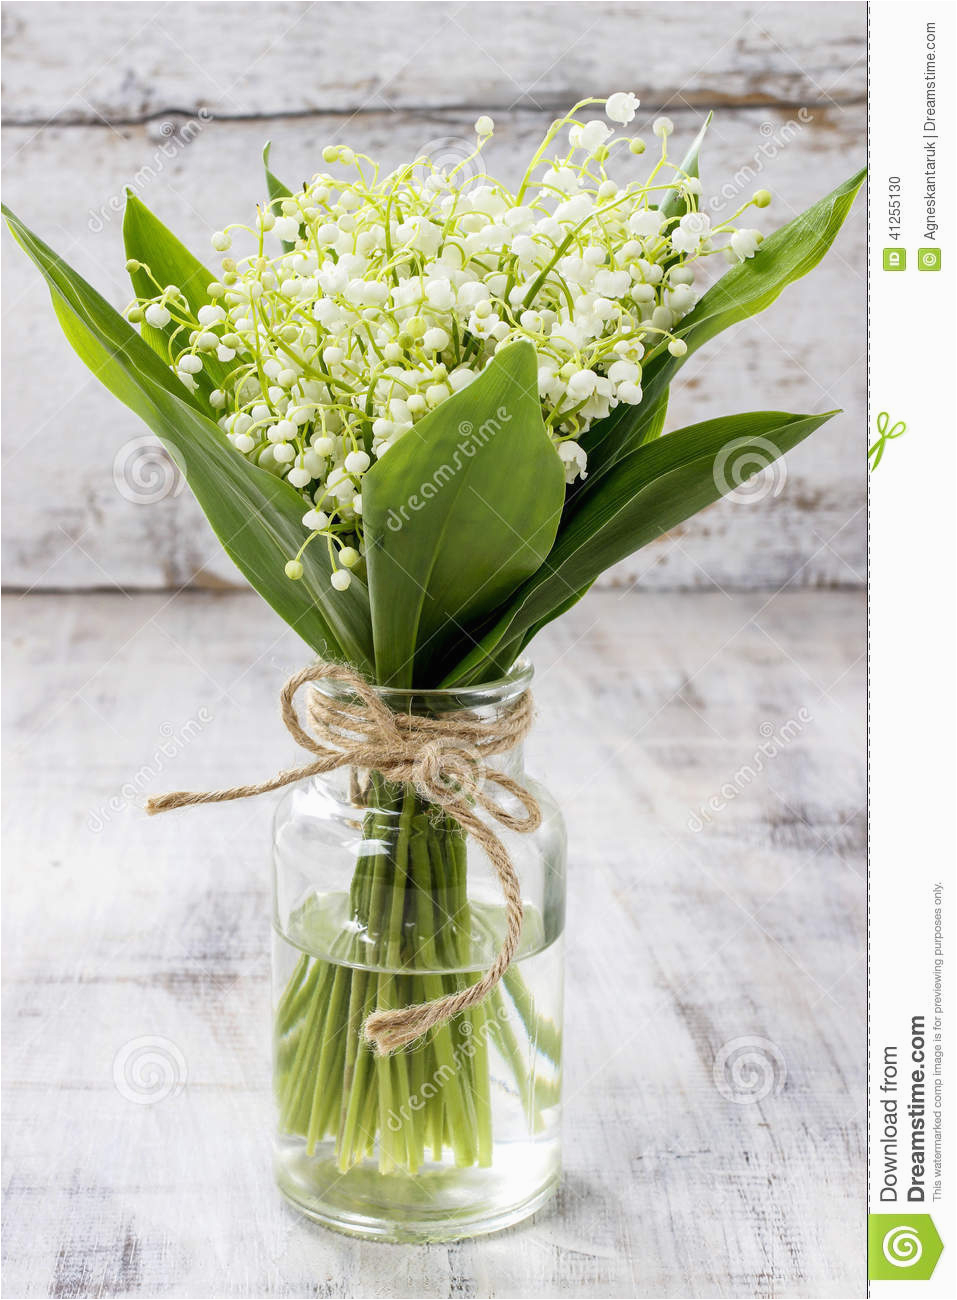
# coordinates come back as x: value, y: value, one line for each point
x: 445, y: 759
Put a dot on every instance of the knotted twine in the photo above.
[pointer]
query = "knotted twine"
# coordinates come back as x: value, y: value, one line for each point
x: 445, y: 760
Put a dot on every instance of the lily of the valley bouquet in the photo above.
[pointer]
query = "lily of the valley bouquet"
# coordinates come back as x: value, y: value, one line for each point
x: 423, y: 412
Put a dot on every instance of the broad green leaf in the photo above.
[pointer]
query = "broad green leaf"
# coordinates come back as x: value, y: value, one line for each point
x: 148, y: 241
x: 650, y: 491
x: 742, y: 291
x: 457, y: 514
x: 276, y: 190
x: 255, y: 515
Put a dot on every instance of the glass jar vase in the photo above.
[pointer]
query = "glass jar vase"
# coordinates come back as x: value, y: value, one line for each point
x: 381, y: 901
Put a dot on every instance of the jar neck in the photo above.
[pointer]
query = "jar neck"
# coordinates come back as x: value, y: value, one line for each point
x: 491, y: 704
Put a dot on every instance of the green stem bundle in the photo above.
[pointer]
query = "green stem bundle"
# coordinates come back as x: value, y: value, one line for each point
x: 411, y: 940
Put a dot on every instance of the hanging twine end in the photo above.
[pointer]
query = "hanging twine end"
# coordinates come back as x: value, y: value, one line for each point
x: 158, y: 803
x: 389, y: 1030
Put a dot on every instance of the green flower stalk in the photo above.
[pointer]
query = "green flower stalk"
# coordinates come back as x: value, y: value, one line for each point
x: 411, y: 939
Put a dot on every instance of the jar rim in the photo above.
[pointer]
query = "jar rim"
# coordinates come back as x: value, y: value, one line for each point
x: 502, y: 690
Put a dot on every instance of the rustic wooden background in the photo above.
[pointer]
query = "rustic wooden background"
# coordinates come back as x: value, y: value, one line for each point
x: 715, y: 1146
x: 96, y: 96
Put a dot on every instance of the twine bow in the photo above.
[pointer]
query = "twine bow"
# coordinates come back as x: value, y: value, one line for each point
x: 445, y: 760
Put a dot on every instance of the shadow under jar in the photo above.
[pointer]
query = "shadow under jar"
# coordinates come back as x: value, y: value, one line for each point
x: 381, y: 901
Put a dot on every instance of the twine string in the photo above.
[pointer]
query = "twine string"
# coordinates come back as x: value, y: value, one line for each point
x: 445, y: 759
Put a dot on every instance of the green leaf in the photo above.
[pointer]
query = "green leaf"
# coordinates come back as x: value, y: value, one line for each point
x: 275, y: 186
x: 277, y: 190
x: 673, y: 205
x: 649, y: 492
x: 657, y: 414
x: 457, y: 514
x: 742, y: 291
x: 255, y: 515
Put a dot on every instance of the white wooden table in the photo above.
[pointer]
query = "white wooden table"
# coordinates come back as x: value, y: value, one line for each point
x: 713, y: 1144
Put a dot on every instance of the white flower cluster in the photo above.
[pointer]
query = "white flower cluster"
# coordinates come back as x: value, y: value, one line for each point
x: 366, y: 302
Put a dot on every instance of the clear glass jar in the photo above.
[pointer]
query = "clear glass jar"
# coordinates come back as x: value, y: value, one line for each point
x: 380, y: 901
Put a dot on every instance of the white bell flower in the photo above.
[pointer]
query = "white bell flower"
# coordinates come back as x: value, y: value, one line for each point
x: 574, y: 460
x: 157, y: 316
x: 621, y: 107
x: 699, y: 223
x: 287, y: 229
x: 593, y: 135
x: 582, y: 383
x: 745, y: 243
x: 357, y: 462
x: 645, y: 224
x: 685, y: 241
x: 620, y: 372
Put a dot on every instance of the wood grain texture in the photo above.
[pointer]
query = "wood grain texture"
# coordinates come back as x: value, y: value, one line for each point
x: 102, y: 526
x: 119, y: 929
x: 130, y: 62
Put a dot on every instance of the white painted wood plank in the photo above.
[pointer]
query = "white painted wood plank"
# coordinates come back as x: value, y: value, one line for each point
x: 127, y: 62
x: 119, y: 928
x: 77, y: 530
